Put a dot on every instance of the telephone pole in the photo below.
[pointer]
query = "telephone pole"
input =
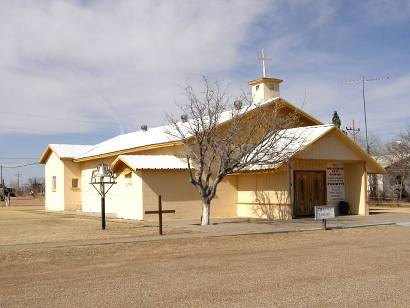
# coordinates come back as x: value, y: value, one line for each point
x: 18, y: 180
x: 362, y: 82
x: 353, y: 130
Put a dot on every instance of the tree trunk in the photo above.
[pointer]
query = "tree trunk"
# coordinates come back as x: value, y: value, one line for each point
x: 206, y: 210
x: 401, y: 189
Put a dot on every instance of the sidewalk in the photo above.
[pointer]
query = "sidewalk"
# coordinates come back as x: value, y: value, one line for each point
x: 240, y: 226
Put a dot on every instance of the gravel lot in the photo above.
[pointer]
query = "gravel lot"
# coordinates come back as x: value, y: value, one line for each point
x: 352, y: 267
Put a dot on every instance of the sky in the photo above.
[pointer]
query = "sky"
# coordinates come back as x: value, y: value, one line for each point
x: 84, y: 71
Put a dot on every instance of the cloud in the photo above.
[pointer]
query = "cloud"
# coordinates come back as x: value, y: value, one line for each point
x: 118, y: 61
x: 386, y: 11
x: 84, y: 66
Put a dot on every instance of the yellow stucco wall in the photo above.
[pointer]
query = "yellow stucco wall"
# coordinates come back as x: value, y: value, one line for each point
x: 129, y: 201
x: 72, y: 196
x: 330, y: 147
x: 355, y: 180
x: 179, y: 194
x: 91, y: 201
x: 355, y: 188
x: 54, y: 200
x: 264, y: 195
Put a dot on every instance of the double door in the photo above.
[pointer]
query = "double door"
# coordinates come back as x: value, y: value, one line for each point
x: 310, y: 190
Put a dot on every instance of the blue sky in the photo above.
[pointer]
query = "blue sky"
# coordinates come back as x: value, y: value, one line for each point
x: 83, y: 71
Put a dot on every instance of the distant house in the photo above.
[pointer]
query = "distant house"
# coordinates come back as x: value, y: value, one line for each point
x: 328, y: 168
x: 395, y: 179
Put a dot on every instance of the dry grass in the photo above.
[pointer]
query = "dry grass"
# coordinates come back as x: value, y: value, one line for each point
x: 31, y: 224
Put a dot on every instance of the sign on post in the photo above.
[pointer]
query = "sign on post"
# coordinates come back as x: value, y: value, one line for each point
x: 324, y: 212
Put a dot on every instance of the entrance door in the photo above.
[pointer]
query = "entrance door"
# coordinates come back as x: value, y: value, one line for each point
x: 310, y: 190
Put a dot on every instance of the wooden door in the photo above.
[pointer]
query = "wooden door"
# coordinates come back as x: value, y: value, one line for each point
x: 310, y: 190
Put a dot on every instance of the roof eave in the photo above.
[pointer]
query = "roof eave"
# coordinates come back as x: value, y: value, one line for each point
x: 127, y: 151
x: 46, y: 154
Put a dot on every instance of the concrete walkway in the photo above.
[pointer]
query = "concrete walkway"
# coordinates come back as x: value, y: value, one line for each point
x: 221, y: 227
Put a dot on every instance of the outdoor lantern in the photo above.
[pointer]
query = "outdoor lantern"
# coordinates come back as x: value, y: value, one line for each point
x: 100, y: 178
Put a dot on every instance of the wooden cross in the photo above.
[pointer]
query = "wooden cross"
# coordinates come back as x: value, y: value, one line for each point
x: 160, y: 212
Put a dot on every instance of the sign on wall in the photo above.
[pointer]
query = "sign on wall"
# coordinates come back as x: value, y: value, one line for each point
x: 335, y: 183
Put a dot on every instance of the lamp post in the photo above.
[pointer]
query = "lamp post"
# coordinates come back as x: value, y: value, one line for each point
x: 100, y: 177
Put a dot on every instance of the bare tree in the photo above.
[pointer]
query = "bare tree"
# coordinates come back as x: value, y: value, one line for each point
x: 221, y: 137
x: 35, y: 185
x: 398, y: 157
x: 376, y: 145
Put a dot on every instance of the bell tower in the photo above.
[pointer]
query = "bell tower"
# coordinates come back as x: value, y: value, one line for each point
x: 264, y: 88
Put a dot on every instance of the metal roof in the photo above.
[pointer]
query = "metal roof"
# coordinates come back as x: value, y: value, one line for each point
x: 64, y: 151
x: 150, y: 162
x: 69, y: 150
x: 132, y: 140
x: 293, y: 140
x: 158, y: 135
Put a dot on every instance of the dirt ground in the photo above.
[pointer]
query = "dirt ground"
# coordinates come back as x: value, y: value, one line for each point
x: 352, y: 267
x: 25, y: 224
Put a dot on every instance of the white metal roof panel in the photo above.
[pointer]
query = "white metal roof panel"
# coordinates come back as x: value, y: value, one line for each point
x: 293, y: 140
x: 132, y: 140
x: 69, y: 150
x: 140, y: 162
x: 152, y: 136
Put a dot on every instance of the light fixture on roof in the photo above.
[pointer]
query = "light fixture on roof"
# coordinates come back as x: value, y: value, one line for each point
x: 237, y: 104
x: 101, y: 177
x: 184, y: 118
x: 144, y: 128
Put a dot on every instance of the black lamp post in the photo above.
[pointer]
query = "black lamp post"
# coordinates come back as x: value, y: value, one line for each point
x: 100, y: 177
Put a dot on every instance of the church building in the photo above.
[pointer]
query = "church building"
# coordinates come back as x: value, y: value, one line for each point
x: 328, y: 167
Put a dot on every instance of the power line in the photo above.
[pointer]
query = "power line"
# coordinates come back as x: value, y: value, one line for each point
x: 19, y: 166
x: 353, y: 130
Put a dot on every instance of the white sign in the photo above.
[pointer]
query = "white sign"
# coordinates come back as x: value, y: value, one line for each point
x: 324, y: 212
x: 335, y: 183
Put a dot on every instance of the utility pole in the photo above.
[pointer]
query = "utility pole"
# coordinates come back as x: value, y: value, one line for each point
x: 1, y: 174
x: 353, y: 130
x: 363, y: 81
x: 18, y: 180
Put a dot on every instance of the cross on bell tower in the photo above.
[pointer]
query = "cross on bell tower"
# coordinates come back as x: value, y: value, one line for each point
x: 263, y: 58
x: 264, y: 88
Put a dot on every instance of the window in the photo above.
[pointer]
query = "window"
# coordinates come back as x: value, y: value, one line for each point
x: 128, y: 178
x: 272, y: 86
x: 257, y: 87
x: 74, y: 183
x: 54, y: 183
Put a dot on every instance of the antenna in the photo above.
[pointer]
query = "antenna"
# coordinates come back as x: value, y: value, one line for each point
x: 237, y: 104
x: 184, y: 118
x: 363, y: 81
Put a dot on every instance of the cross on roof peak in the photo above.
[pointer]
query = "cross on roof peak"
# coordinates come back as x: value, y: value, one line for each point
x: 264, y: 58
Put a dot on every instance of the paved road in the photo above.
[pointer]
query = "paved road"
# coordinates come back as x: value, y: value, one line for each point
x: 352, y: 267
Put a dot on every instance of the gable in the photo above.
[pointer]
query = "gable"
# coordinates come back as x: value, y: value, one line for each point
x: 335, y: 145
x: 330, y: 147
